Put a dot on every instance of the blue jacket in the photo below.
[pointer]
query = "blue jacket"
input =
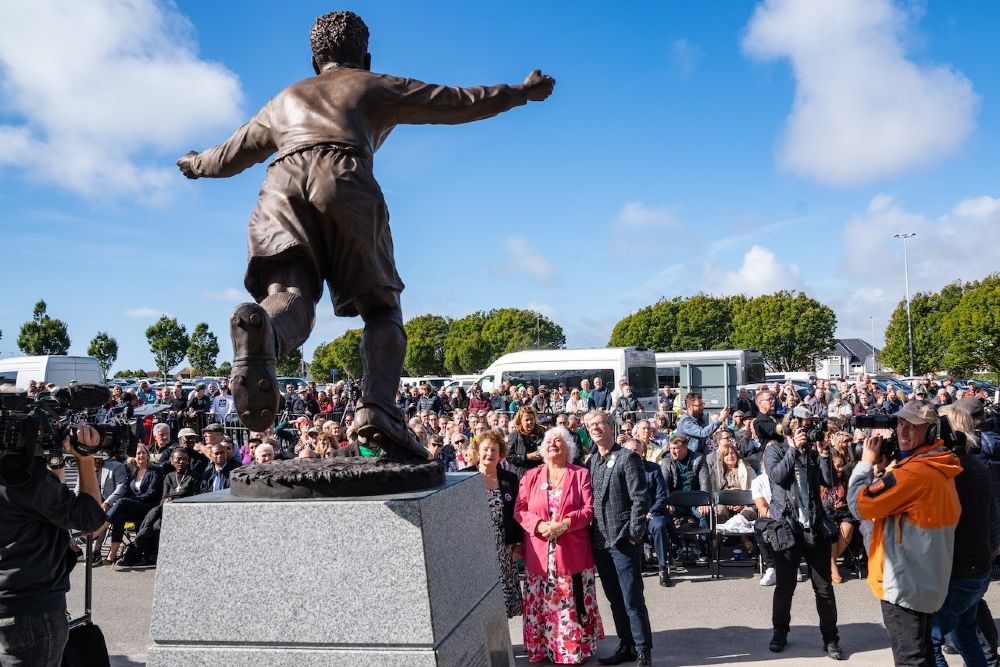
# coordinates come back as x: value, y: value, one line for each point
x: 696, y: 433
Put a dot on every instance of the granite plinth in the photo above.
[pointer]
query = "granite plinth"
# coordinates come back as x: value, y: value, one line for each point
x: 405, y: 579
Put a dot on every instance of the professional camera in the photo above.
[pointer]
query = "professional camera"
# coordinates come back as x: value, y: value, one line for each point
x: 36, y: 427
x: 817, y: 433
x: 890, y: 445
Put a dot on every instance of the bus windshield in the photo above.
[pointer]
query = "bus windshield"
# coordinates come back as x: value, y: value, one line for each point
x: 642, y: 379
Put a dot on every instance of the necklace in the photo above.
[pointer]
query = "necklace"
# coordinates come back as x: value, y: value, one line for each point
x: 554, y: 483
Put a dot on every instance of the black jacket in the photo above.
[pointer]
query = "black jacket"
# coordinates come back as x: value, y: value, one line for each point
x: 197, y: 462
x: 978, y: 531
x: 518, y: 448
x: 209, y: 475
x: 697, y: 473
x: 36, y: 514
x: 508, y: 484
x: 203, y: 404
x: 779, y: 462
x: 150, y: 488
x: 600, y: 398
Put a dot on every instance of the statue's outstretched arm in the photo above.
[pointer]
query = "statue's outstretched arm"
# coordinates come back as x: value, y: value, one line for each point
x: 248, y: 146
x: 420, y: 103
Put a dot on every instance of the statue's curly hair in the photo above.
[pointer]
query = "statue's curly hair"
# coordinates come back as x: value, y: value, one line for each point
x: 339, y: 37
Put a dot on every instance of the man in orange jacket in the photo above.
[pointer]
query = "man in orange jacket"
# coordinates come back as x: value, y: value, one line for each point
x: 915, y: 508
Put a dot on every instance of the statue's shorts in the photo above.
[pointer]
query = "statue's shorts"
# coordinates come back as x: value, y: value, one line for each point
x: 322, y: 207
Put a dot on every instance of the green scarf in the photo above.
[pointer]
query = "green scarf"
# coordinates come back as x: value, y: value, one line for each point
x: 369, y: 452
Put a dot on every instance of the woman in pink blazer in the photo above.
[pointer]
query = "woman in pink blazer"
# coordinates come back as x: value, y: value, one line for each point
x: 555, y: 506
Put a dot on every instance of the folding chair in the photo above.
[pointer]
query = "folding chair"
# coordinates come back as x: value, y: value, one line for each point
x: 734, y: 497
x: 689, y: 499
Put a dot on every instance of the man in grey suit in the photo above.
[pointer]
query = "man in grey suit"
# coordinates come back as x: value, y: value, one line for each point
x: 111, y: 479
x: 618, y: 480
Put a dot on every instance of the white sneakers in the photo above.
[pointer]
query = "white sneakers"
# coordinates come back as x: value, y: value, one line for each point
x: 768, y: 578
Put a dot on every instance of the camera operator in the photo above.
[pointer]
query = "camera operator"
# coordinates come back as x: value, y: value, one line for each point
x: 796, y: 469
x: 37, y: 511
x: 909, y: 565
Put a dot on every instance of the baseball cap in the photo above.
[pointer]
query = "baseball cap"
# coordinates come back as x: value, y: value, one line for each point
x: 738, y: 413
x: 199, y: 387
x: 802, y: 412
x: 186, y: 433
x: 918, y: 412
x: 313, y: 430
x: 212, y: 428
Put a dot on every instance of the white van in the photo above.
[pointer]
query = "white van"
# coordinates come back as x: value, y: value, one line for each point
x: 57, y: 369
x: 551, y: 367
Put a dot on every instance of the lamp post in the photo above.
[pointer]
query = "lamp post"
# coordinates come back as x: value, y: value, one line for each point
x: 872, y: 318
x: 906, y: 274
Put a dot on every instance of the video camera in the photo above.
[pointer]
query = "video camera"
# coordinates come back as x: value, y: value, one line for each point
x: 36, y: 427
x: 954, y: 440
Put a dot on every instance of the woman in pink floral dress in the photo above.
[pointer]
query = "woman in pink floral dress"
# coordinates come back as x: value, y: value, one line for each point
x: 555, y: 506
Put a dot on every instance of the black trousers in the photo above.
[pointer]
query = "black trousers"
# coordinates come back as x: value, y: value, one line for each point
x: 910, y: 635
x: 148, y: 538
x: 786, y: 568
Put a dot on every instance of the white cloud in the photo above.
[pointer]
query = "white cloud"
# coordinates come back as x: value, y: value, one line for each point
x: 761, y: 273
x: 962, y: 244
x: 862, y: 110
x: 640, y: 217
x: 684, y: 56
x: 143, y: 313
x: 230, y: 294
x: 522, y: 256
x: 95, y: 86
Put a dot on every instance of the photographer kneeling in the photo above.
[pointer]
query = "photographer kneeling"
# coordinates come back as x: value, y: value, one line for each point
x: 37, y: 511
x: 915, y: 508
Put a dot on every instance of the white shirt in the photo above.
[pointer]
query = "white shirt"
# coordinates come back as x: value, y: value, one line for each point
x: 760, y: 487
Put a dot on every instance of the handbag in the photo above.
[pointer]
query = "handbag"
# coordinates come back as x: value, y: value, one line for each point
x: 777, y: 533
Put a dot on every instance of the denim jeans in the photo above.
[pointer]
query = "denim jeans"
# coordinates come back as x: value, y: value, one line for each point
x: 620, y: 568
x: 957, y: 616
x: 35, y: 639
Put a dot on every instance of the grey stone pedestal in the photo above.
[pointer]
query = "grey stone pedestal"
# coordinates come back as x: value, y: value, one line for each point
x: 408, y: 579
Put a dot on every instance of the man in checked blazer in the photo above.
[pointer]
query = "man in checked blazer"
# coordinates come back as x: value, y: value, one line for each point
x: 618, y: 480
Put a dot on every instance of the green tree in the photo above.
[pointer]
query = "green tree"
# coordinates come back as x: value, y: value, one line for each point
x: 652, y: 327
x: 42, y: 334
x: 125, y: 373
x: 465, y: 348
x: 426, y: 336
x: 790, y: 329
x: 104, y: 348
x: 323, y: 363
x: 291, y: 364
x: 168, y: 341
x: 972, y: 329
x: 346, y: 350
x: 476, y: 340
x: 703, y: 323
x: 202, y: 349
x: 225, y: 369
x: 927, y: 311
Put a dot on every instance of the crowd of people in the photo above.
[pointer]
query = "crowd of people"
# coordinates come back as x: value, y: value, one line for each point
x: 576, y: 493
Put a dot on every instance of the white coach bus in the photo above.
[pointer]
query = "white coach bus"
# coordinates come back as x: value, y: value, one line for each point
x: 637, y: 365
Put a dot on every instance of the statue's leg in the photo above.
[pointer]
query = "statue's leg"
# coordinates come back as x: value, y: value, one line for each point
x: 383, y: 346
x: 262, y: 332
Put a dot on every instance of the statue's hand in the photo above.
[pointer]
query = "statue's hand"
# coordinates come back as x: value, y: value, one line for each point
x: 186, y: 164
x: 539, y: 86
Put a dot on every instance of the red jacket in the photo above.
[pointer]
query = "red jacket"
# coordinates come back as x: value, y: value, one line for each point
x: 573, y: 550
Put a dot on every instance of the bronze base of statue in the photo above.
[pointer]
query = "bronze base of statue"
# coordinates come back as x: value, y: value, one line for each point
x: 324, y: 478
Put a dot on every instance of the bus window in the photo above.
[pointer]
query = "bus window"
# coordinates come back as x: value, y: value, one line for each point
x: 553, y: 378
x: 755, y: 372
x: 642, y: 379
x: 668, y: 377
x: 487, y: 384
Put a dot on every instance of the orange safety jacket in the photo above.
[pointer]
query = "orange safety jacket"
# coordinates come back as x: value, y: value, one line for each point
x: 915, y: 508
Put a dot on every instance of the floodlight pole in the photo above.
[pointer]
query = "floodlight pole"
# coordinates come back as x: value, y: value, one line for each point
x: 906, y: 275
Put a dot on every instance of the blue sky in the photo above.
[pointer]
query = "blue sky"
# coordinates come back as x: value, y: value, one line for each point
x: 724, y: 147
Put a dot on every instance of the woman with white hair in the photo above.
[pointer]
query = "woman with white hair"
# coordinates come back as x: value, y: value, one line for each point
x: 555, y: 506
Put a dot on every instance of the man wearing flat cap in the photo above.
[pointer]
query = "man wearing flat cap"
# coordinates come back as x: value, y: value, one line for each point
x: 915, y: 508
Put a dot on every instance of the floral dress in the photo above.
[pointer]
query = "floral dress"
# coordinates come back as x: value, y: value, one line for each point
x: 508, y: 573
x: 552, y: 630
